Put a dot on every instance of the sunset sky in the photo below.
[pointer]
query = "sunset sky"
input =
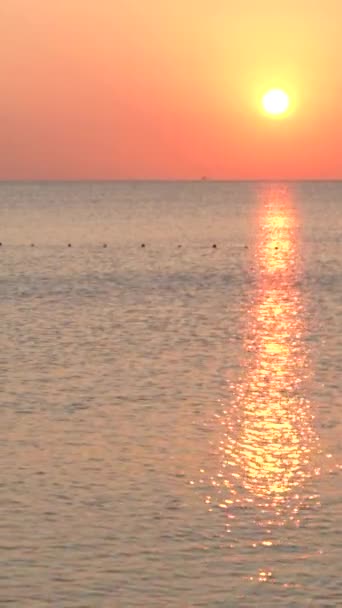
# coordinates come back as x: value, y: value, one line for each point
x: 119, y: 89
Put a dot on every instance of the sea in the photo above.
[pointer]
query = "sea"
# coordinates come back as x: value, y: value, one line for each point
x: 171, y: 422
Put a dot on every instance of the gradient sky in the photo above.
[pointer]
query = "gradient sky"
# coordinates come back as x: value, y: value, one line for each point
x: 169, y: 89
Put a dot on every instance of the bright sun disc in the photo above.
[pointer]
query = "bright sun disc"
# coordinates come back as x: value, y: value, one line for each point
x: 275, y: 102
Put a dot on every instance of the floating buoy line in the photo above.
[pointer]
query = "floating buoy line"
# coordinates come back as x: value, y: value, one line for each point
x: 142, y: 246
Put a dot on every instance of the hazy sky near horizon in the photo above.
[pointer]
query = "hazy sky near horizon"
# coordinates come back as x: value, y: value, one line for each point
x: 169, y: 89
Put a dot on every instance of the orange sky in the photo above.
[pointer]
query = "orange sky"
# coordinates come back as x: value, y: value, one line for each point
x: 169, y: 89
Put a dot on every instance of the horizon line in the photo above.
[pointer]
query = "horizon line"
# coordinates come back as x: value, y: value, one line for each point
x: 204, y: 179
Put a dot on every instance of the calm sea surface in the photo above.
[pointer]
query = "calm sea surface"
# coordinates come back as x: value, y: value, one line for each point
x: 171, y: 413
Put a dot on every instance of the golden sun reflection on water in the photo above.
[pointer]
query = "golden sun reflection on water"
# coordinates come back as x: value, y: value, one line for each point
x: 267, y: 451
x: 275, y: 435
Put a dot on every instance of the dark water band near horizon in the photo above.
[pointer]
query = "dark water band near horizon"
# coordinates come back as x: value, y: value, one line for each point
x: 171, y: 414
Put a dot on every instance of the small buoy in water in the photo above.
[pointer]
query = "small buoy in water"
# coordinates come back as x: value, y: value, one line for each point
x: 214, y: 246
x: 179, y: 246
x: 246, y: 246
x: 104, y: 245
x: 69, y: 244
x: 142, y: 244
x: 276, y: 248
x: 0, y: 244
x: 32, y: 245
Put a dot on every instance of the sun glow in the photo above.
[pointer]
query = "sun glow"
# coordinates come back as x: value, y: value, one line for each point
x: 276, y: 102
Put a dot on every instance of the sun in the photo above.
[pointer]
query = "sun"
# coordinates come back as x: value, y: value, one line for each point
x: 275, y: 102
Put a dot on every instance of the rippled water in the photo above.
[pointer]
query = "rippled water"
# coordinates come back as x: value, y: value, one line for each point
x: 171, y: 423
